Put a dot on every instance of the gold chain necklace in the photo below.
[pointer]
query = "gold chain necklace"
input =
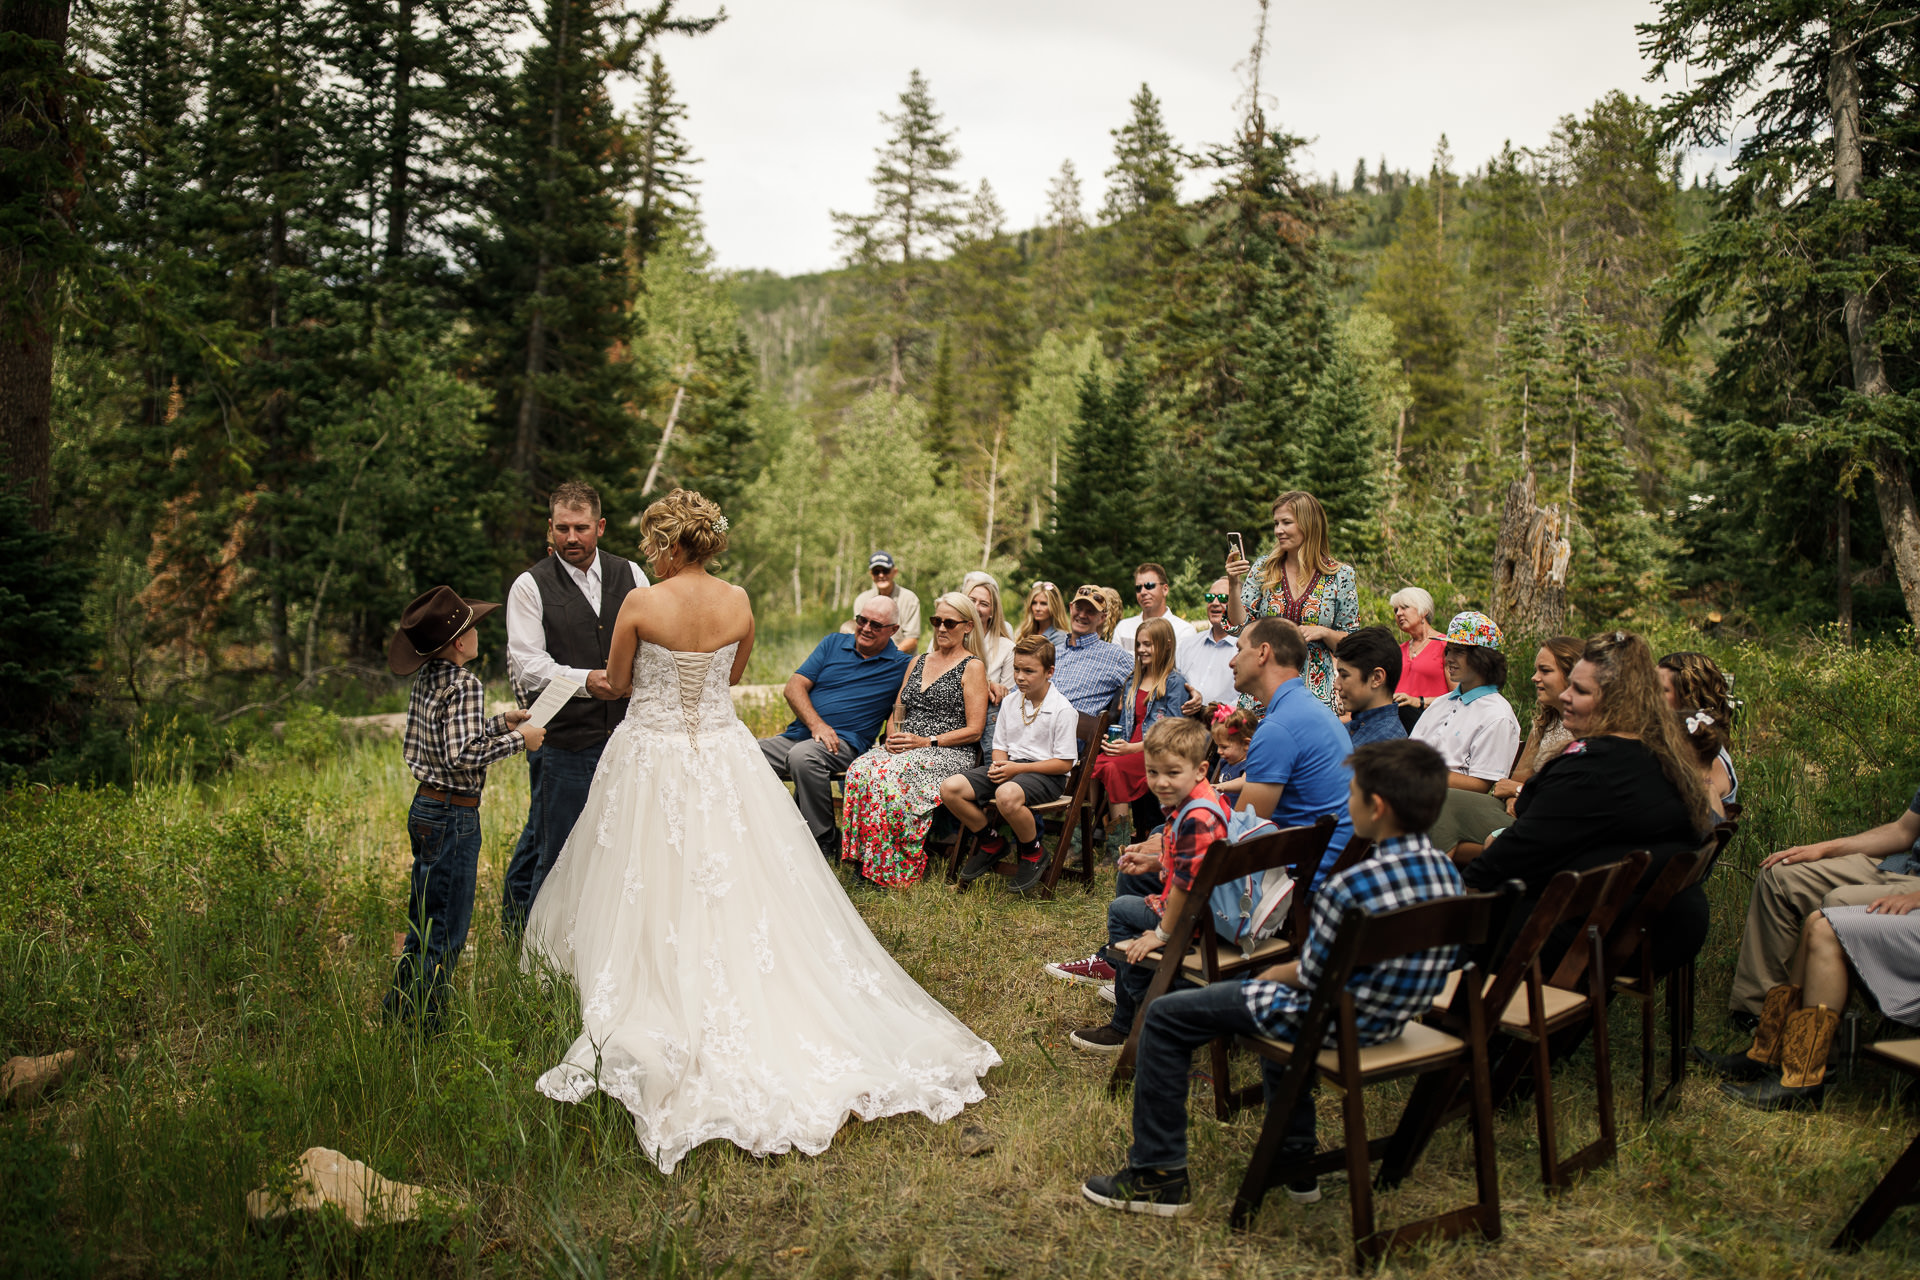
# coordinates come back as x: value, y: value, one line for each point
x: 1026, y: 719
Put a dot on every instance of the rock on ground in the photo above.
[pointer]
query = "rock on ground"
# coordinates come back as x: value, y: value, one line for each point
x: 23, y: 1080
x: 323, y: 1176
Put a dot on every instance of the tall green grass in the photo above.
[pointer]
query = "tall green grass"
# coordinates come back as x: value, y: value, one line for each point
x: 217, y: 948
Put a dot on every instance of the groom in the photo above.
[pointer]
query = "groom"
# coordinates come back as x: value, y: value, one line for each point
x: 560, y: 616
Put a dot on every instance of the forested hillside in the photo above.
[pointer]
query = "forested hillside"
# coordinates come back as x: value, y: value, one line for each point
x: 311, y: 304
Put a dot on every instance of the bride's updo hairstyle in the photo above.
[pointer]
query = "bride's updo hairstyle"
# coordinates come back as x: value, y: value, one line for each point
x: 686, y: 520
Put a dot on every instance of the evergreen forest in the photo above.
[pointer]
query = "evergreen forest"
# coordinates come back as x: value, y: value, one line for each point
x: 308, y: 305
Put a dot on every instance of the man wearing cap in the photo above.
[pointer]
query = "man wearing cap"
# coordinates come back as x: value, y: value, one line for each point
x: 1087, y: 670
x: 906, y: 605
x: 560, y: 616
x: 1473, y: 727
x: 839, y: 696
x: 448, y: 745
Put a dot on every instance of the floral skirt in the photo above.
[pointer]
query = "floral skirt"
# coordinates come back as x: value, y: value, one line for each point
x: 1124, y: 777
x: 890, y: 804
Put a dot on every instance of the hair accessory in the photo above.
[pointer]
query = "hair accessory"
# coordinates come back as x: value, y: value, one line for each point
x: 720, y: 524
x: 1698, y: 721
x: 1221, y: 711
x: 1473, y: 628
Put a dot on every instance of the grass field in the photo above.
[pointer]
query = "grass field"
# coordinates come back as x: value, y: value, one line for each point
x: 217, y: 953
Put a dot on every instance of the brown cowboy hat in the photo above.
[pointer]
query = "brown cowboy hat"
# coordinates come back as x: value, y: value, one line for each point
x: 431, y: 623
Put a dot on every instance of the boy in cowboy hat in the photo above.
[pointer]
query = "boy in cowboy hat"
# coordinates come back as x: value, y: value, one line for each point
x: 449, y: 744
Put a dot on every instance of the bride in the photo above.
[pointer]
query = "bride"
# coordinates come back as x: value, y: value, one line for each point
x: 728, y: 988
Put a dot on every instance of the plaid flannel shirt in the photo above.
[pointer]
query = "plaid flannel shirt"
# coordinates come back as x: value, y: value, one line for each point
x: 1402, y: 871
x: 1184, y: 843
x: 450, y: 741
x: 1089, y: 673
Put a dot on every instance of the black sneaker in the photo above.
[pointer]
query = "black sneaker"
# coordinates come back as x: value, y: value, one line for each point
x: 1162, y: 1193
x: 1031, y: 869
x: 1304, y: 1189
x: 1731, y: 1066
x: 1101, y: 1039
x: 985, y: 858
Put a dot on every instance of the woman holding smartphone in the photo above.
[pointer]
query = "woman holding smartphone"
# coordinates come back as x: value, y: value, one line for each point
x: 1298, y: 580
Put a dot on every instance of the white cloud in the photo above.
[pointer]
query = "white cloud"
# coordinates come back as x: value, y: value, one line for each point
x: 784, y: 98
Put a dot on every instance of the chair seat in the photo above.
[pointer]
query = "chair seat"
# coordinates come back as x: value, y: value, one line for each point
x: 1418, y: 1045
x: 1901, y: 1053
x: 1559, y: 1005
x: 1051, y: 806
x: 1270, y: 951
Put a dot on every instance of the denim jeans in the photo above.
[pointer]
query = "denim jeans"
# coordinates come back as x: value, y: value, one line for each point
x: 557, y: 785
x: 446, y: 862
x: 1177, y: 1024
x: 1128, y: 918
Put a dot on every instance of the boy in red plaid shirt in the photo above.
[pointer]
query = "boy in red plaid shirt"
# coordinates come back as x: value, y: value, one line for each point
x: 1176, y: 760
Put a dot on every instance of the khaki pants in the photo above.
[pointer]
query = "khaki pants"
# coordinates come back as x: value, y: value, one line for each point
x: 1783, y: 897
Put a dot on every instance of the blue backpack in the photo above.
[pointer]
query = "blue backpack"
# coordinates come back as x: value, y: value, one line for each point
x: 1248, y: 910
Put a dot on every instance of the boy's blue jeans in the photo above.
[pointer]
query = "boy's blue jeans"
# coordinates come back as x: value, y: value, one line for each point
x: 1128, y: 918
x: 1177, y: 1024
x: 446, y: 863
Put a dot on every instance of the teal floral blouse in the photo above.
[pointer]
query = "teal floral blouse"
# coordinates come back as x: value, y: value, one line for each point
x: 1331, y: 600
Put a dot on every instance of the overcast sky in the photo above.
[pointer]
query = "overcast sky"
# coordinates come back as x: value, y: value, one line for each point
x: 784, y: 98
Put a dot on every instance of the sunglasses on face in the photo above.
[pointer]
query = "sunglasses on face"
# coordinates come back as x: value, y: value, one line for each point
x: 947, y: 624
x: 879, y: 572
x: 871, y: 625
x: 1211, y: 598
x: 1142, y: 588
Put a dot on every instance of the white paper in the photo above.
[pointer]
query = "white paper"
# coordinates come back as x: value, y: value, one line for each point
x: 551, y: 699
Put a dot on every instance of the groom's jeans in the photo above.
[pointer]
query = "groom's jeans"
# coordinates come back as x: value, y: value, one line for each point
x: 810, y: 768
x: 557, y: 785
x: 446, y: 862
x: 1176, y: 1024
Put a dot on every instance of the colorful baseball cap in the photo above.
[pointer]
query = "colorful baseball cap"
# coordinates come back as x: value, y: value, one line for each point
x: 1474, y: 628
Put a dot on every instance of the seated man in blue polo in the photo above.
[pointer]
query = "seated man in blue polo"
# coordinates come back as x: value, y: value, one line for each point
x: 1087, y: 670
x: 839, y: 696
x: 1297, y: 765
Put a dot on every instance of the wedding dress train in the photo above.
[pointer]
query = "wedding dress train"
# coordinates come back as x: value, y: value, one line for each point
x: 728, y: 988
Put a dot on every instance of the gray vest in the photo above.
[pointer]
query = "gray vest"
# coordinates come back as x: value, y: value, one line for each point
x: 576, y: 638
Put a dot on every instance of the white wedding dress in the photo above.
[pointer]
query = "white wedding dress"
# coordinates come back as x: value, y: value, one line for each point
x: 728, y: 988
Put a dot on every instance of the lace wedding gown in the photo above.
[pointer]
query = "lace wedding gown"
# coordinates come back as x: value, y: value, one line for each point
x: 728, y: 988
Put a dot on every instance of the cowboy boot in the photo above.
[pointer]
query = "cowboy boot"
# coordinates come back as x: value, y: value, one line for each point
x: 1803, y: 1064
x: 1763, y: 1055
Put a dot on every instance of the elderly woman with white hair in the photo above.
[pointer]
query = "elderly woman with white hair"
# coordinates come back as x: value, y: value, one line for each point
x: 892, y: 790
x: 1423, y: 656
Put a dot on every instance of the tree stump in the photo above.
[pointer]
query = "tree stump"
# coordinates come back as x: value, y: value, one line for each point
x: 1530, y: 565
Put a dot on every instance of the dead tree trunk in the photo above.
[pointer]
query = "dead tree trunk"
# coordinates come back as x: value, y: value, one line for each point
x: 1530, y: 565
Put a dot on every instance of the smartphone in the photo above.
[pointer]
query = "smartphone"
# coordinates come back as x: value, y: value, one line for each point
x: 1239, y: 548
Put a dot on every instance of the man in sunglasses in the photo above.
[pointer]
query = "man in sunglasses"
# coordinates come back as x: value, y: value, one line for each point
x: 839, y: 696
x: 1206, y: 657
x: 1150, y: 589
x: 906, y: 605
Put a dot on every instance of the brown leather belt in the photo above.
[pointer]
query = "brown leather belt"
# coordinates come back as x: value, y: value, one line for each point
x: 449, y: 797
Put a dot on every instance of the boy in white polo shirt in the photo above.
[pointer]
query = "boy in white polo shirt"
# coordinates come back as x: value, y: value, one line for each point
x: 1034, y: 747
x: 1473, y: 728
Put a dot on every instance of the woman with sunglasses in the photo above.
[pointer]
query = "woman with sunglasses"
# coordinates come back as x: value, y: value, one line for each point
x: 1045, y: 615
x: 892, y: 790
x: 1298, y: 580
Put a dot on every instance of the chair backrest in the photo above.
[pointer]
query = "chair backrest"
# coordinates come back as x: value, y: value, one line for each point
x: 1298, y: 849
x: 1358, y: 850
x: 1090, y: 731
x: 1682, y: 872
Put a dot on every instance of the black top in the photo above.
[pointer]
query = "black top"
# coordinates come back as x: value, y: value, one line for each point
x: 577, y: 638
x: 1594, y: 804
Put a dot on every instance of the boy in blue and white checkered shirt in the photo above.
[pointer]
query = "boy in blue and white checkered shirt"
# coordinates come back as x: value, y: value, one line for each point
x: 1396, y: 794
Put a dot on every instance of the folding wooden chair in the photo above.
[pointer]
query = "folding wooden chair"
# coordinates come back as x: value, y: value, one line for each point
x: 1902, y: 1183
x: 1630, y: 960
x: 1534, y: 1010
x: 1358, y: 850
x: 1469, y: 920
x: 1072, y: 810
x: 1299, y: 850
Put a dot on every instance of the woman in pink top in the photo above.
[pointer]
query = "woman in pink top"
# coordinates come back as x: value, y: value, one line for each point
x: 1423, y: 658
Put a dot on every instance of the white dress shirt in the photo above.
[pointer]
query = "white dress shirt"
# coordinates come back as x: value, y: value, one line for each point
x: 1475, y: 731
x: 1051, y: 736
x: 530, y: 668
x: 1129, y: 627
x: 1207, y: 665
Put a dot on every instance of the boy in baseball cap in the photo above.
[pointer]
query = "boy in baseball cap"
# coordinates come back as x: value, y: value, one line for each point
x: 449, y: 744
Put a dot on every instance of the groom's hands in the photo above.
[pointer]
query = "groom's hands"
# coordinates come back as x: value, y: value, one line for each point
x: 598, y: 686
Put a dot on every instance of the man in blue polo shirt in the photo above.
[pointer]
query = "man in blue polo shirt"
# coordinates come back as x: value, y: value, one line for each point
x: 1297, y: 765
x: 839, y: 696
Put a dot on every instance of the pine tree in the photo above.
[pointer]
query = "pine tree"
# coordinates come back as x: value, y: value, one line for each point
x: 1338, y: 454
x: 1104, y: 522
x: 1417, y: 288
x: 1360, y: 176
x: 664, y: 186
x: 1061, y: 294
x: 1146, y: 164
x: 917, y: 211
x: 1041, y: 430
